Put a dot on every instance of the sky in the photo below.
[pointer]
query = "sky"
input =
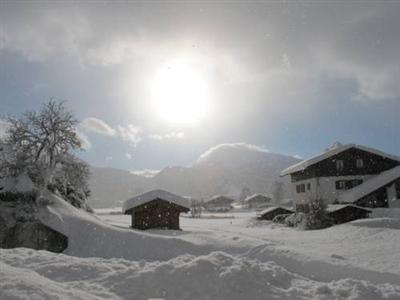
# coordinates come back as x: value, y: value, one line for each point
x: 158, y: 83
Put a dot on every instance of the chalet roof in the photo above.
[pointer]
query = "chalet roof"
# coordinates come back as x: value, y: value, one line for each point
x: 152, y: 195
x: 370, y: 185
x: 272, y: 208
x: 257, y: 196
x: 301, y: 166
x: 336, y: 207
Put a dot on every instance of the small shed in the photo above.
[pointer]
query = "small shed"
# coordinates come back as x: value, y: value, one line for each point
x: 156, y: 209
x: 342, y: 213
x: 271, y: 212
x: 219, y: 204
x: 257, y: 201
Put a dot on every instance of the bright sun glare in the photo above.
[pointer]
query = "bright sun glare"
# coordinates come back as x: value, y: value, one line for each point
x: 180, y: 93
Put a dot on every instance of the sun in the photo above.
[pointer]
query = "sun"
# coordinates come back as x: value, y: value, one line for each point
x: 180, y: 93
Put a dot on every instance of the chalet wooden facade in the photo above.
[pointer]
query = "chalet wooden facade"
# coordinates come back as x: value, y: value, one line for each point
x: 347, y: 174
x: 156, y: 209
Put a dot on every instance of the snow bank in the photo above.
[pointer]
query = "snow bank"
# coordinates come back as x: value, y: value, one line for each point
x: 25, y: 273
x: 391, y: 212
x: 90, y: 237
x: 390, y: 223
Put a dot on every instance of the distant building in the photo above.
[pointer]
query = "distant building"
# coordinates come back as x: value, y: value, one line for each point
x: 219, y: 204
x: 352, y: 174
x: 257, y: 201
x: 156, y: 209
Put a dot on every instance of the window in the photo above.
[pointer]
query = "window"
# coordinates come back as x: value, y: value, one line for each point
x: 341, y: 184
x: 359, y: 163
x: 308, y: 186
x: 339, y: 165
x: 355, y: 182
x: 300, y: 188
x: 347, y: 184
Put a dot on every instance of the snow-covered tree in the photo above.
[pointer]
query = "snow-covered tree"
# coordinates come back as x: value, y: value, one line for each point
x: 40, y: 144
x: 196, y: 208
x: 316, y: 217
x: 246, y: 192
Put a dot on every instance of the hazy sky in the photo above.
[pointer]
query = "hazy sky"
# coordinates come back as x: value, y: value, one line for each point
x: 291, y: 77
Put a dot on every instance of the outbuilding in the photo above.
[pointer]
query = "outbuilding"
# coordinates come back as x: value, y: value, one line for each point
x: 156, y: 209
x: 271, y: 212
x: 342, y: 213
x: 219, y: 204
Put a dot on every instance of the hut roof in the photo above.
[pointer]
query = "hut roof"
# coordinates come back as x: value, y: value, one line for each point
x: 257, y: 196
x: 273, y: 208
x: 336, y: 207
x: 152, y: 195
x: 370, y: 185
x: 301, y: 166
x: 220, y: 198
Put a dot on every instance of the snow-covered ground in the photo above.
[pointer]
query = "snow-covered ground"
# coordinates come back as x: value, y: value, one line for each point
x: 217, y: 257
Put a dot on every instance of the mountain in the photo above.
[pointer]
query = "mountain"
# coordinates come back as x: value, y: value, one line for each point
x: 226, y: 169
x: 110, y: 187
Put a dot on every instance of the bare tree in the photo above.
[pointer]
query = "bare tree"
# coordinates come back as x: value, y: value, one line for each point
x: 196, y: 208
x: 41, y: 144
x: 44, y: 137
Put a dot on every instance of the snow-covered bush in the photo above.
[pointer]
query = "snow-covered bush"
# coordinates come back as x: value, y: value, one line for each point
x: 294, y: 220
x: 281, y: 219
x: 316, y: 217
x: 40, y: 144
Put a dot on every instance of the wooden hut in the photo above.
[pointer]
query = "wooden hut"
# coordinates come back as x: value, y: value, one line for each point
x: 271, y: 212
x: 219, y: 204
x: 156, y: 209
x: 257, y: 201
x: 342, y: 213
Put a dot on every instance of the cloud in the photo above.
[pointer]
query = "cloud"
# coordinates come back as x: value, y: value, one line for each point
x: 3, y: 128
x: 130, y: 134
x: 97, y: 126
x: 128, y: 155
x: 358, y: 43
x: 221, y: 148
x: 86, y: 144
x: 170, y: 135
x: 146, y: 172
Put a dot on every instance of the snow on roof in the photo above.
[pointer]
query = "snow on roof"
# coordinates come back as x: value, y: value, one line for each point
x: 257, y: 196
x: 221, y: 198
x: 335, y: 207
x: 331, y: 152
x: 370, y: 185
x: 152, y: 195
x: 272, y: 208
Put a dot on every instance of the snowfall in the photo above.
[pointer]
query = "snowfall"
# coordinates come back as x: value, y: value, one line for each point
x: 219, y: 256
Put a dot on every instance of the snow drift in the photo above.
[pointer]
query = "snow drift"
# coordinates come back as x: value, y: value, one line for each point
x: 41, y: 275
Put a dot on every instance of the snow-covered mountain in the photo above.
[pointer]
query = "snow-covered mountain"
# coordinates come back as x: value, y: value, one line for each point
x: 225, y: 169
